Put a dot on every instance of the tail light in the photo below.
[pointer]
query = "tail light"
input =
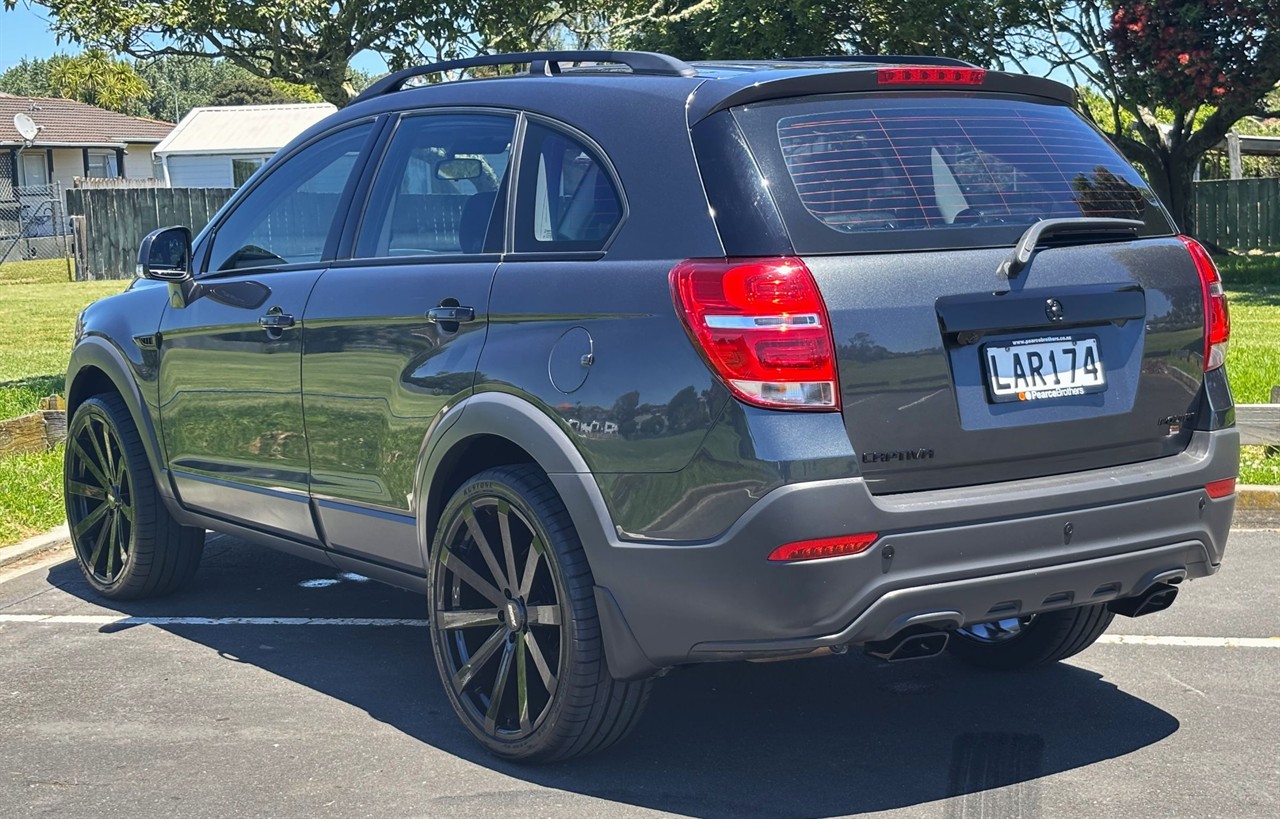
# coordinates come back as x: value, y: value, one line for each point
x: 1220, y: 489
x: 762, y: 326
x: 931, y: 75
x: 1217, y: 318
x: 824, y: 547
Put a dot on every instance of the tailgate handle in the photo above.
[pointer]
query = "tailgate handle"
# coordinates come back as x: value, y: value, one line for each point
x: 1085, y: 226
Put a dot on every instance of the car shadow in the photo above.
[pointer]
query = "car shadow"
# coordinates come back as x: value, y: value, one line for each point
x: 833, y: 736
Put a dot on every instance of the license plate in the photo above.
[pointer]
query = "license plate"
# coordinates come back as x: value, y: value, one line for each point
x: 1035, y: 369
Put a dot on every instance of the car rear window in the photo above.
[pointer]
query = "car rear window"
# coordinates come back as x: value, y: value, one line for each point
x: 935, y: 172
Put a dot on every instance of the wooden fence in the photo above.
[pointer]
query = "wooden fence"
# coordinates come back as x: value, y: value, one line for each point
x: 109, y: 224
x: 1239, y: 214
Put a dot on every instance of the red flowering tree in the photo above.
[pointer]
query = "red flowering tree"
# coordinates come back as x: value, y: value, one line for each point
x: 1177, y: 75
x: 1207, y: 62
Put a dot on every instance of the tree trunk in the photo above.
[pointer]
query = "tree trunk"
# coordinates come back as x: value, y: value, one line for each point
x: 1170, y: 174
x: 1179, y: 172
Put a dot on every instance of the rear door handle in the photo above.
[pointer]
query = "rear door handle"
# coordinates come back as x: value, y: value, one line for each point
x: 275, y: 320
x: 454, y: 314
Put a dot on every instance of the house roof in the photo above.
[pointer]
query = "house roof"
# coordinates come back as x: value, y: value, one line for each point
x: 241, y: 129
x: 76, y: 124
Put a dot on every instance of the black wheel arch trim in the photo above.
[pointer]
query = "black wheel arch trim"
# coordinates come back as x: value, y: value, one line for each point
x: 530, y: 428
x: 96, y: 353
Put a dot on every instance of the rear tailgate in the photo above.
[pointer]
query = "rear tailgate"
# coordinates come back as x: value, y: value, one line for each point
x: 904, y: 206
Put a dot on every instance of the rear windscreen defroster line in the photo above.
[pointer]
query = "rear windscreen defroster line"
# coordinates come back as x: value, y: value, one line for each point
x: 899, y: 173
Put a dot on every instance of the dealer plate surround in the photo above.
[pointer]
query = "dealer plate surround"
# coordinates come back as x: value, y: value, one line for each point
x: 1031, y: 369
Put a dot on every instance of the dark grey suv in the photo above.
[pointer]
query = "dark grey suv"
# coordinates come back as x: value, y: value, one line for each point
x: 628, y: 364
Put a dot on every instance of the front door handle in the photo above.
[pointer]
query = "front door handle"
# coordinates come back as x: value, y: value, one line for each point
x: 451, y: 314
x: 275, y: 319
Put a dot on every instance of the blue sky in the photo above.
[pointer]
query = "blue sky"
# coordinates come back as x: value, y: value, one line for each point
x: 24, y: 33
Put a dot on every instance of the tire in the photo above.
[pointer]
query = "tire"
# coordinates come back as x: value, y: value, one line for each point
x: 514, y: 626
x: 1015, y: 644
x: 127, y: 544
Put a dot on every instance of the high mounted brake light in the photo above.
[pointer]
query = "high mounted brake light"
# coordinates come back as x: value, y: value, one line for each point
x: 762, y: 326
x: 931, y: 75
x: 1217, y: 318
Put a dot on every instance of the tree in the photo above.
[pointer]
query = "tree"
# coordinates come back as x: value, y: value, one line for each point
x: 311, y: 42
x: 725, y: 29
x: 1175, y: 76
x: 99, y: 79
x: 93, y: 77
x: 246, y: 89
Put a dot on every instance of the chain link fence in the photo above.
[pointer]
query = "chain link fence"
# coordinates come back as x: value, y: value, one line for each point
x: 35, y: 232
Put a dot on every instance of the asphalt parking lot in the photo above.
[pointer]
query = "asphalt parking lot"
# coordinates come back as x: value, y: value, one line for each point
x: 317, y: 698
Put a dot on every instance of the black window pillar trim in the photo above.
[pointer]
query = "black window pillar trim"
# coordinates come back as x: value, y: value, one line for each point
x: 84, y: 156
x: 48, y: 163
x: 13, y: 168
x: 353, y: 208
x: 120, y: 162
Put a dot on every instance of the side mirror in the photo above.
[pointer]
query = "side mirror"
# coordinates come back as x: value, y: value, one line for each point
x: 165, y: 255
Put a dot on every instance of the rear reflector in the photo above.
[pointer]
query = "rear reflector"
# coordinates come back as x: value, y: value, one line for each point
x: 931, y: 75
x: 762, y: 326
x: 825, y: 547
x: 1217, y: 318
x: 1222, y: 488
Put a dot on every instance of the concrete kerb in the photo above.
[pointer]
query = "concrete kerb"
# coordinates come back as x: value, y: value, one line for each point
x: 1256, y: 506
x: 54, y: 539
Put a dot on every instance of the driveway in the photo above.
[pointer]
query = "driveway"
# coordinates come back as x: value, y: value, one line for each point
x: 275, y: 687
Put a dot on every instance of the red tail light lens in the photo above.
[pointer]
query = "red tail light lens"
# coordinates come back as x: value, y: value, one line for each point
x: 1217, y: 318
x: 825, y: 547
x: 931, y: 75
x: 1220, y: 489
x: 762, y: 326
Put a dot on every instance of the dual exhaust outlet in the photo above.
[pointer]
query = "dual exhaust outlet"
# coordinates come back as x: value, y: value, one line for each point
x: 921, y: 641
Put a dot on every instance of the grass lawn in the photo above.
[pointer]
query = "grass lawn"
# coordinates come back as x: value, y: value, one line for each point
x: 1253, y: 360
x: 38, y: 309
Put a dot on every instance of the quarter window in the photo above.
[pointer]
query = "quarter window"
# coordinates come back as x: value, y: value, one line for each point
x: 567, y: 199
x: 287, y: 218
x: 441, y: 188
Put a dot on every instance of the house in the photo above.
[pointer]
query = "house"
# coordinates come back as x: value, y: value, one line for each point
x: 221, y: 147
x: 73, y: 140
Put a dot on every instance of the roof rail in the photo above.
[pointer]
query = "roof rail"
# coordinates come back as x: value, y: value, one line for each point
x: 540, y: 62
x: 891, y: 59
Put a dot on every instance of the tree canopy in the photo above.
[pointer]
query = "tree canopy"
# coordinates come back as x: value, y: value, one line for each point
x: 94, y: 77
x: 976, y: 30
x: 1175, y: 75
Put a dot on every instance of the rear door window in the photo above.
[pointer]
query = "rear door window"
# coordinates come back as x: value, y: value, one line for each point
x: 937, y: 172
x: 441, y: 188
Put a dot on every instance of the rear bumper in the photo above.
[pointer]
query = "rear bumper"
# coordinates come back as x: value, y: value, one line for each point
x: 949, y: 557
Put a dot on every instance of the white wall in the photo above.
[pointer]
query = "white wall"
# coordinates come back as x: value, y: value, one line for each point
x: 137, y: 161
x: 194, y: 171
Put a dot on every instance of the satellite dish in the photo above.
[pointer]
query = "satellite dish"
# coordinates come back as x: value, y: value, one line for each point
x: 26, y: 126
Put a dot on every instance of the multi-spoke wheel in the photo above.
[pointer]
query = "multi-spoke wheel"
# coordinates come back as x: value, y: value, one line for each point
x: 514, y: 625
x: 126, y: 543
x: 1024, y: 642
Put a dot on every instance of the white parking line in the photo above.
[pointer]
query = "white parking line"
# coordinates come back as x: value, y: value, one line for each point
x: 125, y: 620
x: 1195, y: 642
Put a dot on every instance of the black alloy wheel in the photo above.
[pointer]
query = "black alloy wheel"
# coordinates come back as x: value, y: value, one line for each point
x: 514, y: 626
x: 127, y: 544
x: 100, y: 498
